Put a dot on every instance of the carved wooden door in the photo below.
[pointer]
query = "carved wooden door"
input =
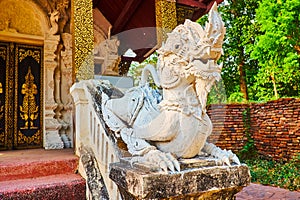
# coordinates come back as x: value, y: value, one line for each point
x: 21, y: 96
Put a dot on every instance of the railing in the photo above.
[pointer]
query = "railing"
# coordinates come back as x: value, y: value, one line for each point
x: 89, y: 132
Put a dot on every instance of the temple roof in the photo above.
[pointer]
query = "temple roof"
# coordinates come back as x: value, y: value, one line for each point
x: 134, y: 21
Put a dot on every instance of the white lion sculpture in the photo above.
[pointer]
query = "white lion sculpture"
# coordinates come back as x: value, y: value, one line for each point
x: 159, y: 132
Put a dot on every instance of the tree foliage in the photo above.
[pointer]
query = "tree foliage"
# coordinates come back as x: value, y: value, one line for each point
x: 239, y: 69
x: 277, y: 49
x: 241, y: 31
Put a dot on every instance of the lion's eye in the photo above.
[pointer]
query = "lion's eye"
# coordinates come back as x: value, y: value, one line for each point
x: 177, y: 46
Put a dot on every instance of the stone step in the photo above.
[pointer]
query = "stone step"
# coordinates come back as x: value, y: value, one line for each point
x: 40, y: 174
x: 60, y: 187
x: 22, y: 164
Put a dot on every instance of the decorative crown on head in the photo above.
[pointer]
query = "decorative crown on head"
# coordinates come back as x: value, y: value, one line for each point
x: 192, y: 35
x: 214, y: 30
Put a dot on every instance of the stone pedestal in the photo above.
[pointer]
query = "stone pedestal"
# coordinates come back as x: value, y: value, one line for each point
x: 198, y: 179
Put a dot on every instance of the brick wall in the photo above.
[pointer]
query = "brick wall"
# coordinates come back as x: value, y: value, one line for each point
x: 275, y: 127
x: 228, y: 126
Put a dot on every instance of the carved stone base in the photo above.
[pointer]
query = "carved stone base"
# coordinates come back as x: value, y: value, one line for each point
x: 198, y: 179
x: 53, y: 140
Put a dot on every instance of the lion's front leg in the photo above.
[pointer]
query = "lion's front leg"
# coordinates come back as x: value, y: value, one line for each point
x: 226, y: 157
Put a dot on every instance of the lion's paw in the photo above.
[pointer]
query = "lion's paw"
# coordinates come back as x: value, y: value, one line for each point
x: 227, y: 157
x: 224, y: 156
x: 160, y: 160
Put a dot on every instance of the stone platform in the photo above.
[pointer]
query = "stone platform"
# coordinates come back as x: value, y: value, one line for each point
x: 198, y: 179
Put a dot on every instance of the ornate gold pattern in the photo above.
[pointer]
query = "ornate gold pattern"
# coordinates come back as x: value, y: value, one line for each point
x: 35, y: 139
x: 22, y: 17
x: 2, y: 137
x: 34, y: 54
x: 184, y: 13
x: 83, y: 39
x: 1, y: 113
x: 9, y: 97
x: 3, y: 53
x: 29, y: 109
x: 166, y: 19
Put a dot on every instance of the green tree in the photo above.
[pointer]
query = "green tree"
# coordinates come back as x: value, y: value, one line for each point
x: 277, y: 49
x: 241, y: 30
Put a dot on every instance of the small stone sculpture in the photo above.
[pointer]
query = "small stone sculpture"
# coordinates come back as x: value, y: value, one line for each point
x: 158, y: 132
x: 54, y: 17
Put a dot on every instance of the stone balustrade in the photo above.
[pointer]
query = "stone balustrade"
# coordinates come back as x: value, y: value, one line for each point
x: 90, y: 134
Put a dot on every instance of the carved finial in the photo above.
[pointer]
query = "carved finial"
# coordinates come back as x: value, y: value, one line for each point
x: 54, y: 17
x: 215, y: 29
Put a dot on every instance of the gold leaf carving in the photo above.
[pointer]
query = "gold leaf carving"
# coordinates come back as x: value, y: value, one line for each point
x: 2, y: 137
x: 84, y: 39
x: 1, y: 88
x: 35, y: 139
x: 166, y: 19
x: 29, y: 109
x: 3, y: 52
x: 1, y: 112
x: 34, y: 54
x: 22, y: 17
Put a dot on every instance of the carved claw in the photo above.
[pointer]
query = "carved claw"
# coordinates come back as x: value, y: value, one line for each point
x: 234, y: 158
x: 174, y: 161
x: 226, y: 157
x: 225, y: 160
x: 163, y: 160
x: 147, y: 153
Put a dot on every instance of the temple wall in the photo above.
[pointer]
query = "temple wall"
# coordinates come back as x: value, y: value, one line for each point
x: 274, y: 126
